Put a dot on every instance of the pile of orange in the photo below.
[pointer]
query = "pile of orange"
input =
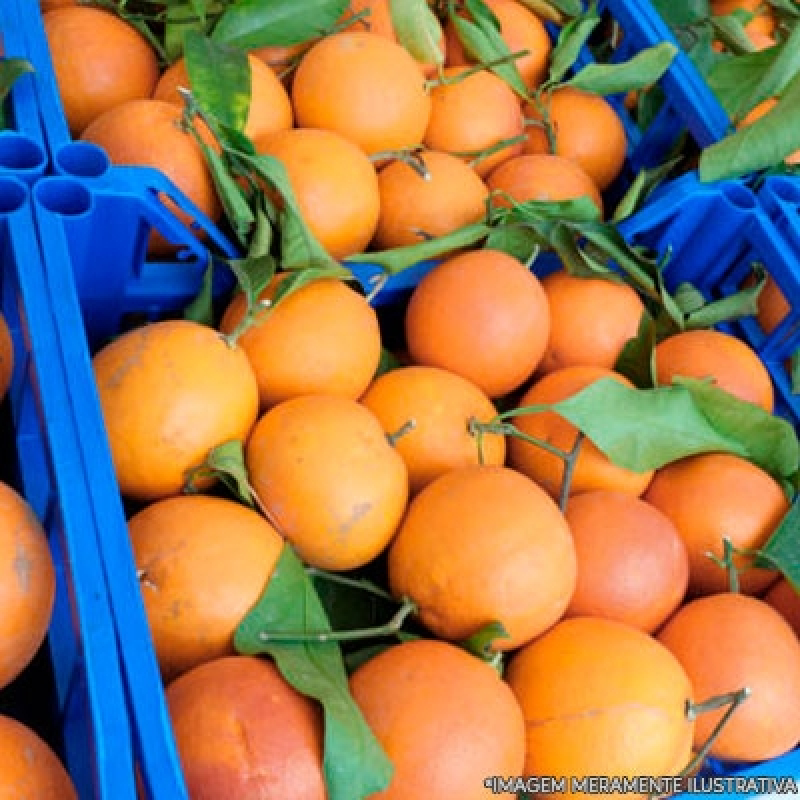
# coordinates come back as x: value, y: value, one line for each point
x: 616, y: 616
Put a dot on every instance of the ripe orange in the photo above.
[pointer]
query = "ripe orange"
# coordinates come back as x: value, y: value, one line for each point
x: 521, y: 30
x: 726, y: 642
x: 542, y: 177
x: 170, y: 392
x: 31, y: 767
x: 729, y: 362
x: 270, y: 108
x: 471, y: 113
x: 329, y: 479
x: 633, y: 566
x: 439, y: 405
x: 772, y: 306
x: 242, y: 731
x: 482, y: 315
x: 6, y: 357
x: 334, y: 183
x: 783, y: 597
x: 27, y: 584
x: 587, y: 131
x: 366, y: 88
x: 593, y: 469
x: 591, y: 320
x: 445, y: 719
x: 482, y: 544
x: 601, y: 698
x: 99, y: 60
x: 149, y: 133
x: 203, y: 563
x: 413, y: 207
x: 716, y: 495
x: 323, y: 337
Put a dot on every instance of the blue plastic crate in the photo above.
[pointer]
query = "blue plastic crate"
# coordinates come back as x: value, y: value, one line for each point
x: 91, y: 710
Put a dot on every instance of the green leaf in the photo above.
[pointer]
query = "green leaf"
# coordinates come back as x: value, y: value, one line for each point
x: 10, y: 70
x: 226, y: 463
x: 643, y: 184
x: 480, y: 643
x: 643, y: 69
x: 683, y: 13
x: 782, y: 551
x: 644, y: 429
x: 180, y: 20
x: 730, y: 30
x: 635, y: 361
x: 483, y: 41
x: 760, y: 145
x: 201, y: 309
x: 521, y: 242
x: 571, y: 40
x: 352, y: 603
x: 354, y: 762
x: 418, y: 29
x: 794, y: 372
x: 388, y: 362
x: 220, y: 79
x: 255, y: 23
x: 743, y: 303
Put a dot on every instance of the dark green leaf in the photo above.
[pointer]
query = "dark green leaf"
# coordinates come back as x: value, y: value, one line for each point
x: 682, y: 13
x: 180, y: 19
x: 786, y: 7
x: 255, y: 23
x: 571, y: 39
x: 794, y: 372
x: 635, y: 361
x: 219, y: 77
x: 388, y: 362
x: 643, y: 429
x: 643, y: 184
x: 763, y: 144
x: 10, y: 70
x: 350, y: 606
x: 782, y: 551
x: 201, y: 309
x: 521, y: 242
x: 643, y: 69
x: 743, y: 303
x: 355, y: 764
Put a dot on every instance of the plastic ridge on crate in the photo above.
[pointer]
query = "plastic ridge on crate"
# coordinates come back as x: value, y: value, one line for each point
x: 91, y: 703
x: 22, y: 149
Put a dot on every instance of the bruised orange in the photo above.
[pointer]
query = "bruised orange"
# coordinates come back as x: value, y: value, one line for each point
x: 329, y: 479
x: 445, y: 719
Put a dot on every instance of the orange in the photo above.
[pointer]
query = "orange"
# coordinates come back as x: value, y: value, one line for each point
x: 716, y: 495
x: 203, y: 563
x: 99, y: 60
x: 633, y: 566
x: 329, y: 479
x: 414, y: 207
x: 760, y: 110
x: 334, y: 184
x: 484, y: 544
x: 242, y: 731
x: 482, y: 315
x: 601, y: 698
x: 170, y: 392
x: 542, y: 177
x: 783, y: 597
x: 270, y: 108
x: 593, y: 469
x: 587, y: 131
x: 726, y: 642
x: 445, y: 719
x: 729, y: 362
x: 31, y: 768
x: 432, y: 408
x: 521, y: 30
x: 323, y: 337
x: 471, y: 113
x: 772, y: 306
x: 149, y: 133
x: 27, y: 584
x: 591, y: 320
x: 366, y: 88
x: 6, y: 357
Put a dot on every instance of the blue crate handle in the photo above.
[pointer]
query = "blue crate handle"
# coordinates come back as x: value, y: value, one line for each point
x: 82, y: 638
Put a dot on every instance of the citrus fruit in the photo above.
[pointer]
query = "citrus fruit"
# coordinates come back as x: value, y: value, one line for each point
x: 592, y: 469
x: 632, y: 563
x: 783, y: 597
x: 170, y: 392
x: 322, y: 337
x: 601, y: 698
x: 481, y: 314
x: 729, y: 641
x: 242, y: 731
x: 329, y: 478
x: 484, y: 544
x: 714, y: 496
x: 6, y: 357
x: 203, y: 563
x: 445, y: 719
x: 428, y: 411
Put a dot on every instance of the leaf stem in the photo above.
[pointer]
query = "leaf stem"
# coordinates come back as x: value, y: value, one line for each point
x: 354, y: 583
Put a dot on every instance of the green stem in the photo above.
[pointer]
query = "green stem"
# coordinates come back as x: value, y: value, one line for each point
x: 391, y: 627
x: 353, y: 583
x: 405, y: 428
x: 570, y: 462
